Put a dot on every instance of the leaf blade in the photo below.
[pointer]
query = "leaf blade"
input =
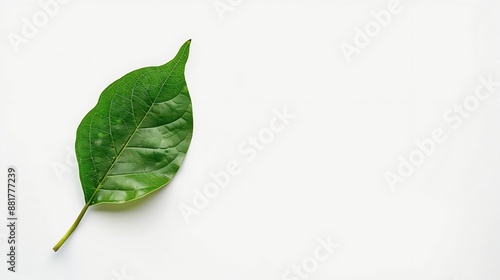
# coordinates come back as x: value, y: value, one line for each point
x: 135, y: 139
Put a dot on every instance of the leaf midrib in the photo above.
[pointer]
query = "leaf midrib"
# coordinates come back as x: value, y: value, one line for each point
x: 135, y: 130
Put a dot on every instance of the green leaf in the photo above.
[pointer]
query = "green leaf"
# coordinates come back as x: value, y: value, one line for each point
x: 136, y: 137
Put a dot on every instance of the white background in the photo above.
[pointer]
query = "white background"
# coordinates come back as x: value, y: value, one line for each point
x: 323, y: 175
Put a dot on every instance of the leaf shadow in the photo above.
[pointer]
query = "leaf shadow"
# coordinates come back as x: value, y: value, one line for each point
x: 132, y: 205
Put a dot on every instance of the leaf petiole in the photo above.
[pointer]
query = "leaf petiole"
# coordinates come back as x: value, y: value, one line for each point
x: 72, y: 228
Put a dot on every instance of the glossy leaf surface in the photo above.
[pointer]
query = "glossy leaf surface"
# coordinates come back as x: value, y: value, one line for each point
x: 136, y: 137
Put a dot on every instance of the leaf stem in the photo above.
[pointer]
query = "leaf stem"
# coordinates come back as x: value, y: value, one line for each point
x: 71, y: 229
